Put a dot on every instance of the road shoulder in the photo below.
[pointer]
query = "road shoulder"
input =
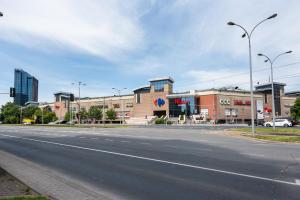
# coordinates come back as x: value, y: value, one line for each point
x: 49, y: 182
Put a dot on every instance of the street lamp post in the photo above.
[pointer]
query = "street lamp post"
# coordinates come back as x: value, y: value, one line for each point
x: 1, y: 14
x: 122, y: 106
x: 272, y: 81
x: 79, y: 106
x: 246, y: 33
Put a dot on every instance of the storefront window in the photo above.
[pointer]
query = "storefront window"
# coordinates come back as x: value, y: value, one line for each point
x: 182, y: 105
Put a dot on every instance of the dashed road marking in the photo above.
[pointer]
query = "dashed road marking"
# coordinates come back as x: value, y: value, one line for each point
x: 94, y: 138
x: 297, y: 181
x: 253, y: 154
x: 108, y: 140
x: 124, y: 141
x: 146, y: 143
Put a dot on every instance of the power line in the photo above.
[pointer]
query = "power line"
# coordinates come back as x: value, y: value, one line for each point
x: 241, y: 73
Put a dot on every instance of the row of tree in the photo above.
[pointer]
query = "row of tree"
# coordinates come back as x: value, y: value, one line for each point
x: 13, y: 114
x: 94, y: 113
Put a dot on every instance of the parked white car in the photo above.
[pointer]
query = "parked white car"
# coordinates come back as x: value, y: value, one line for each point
x: 279, y: 122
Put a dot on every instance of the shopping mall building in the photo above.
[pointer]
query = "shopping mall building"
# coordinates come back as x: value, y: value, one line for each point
x: 222, y: 105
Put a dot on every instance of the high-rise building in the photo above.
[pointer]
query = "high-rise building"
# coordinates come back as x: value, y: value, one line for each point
x: 26, y: 87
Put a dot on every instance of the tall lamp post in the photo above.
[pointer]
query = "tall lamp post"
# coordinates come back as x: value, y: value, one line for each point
x: 79, y: 106
x: 249, y: 34
x: 122, y: 106
x: 272, y: 81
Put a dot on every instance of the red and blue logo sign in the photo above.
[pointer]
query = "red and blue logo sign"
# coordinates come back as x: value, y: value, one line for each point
x: 159, y: 102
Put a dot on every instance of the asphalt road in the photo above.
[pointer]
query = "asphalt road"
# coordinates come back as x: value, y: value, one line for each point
x: 150, y: 163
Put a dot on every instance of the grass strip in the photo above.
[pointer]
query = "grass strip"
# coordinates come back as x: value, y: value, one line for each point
x: 270, y: 130
x: 279, y: 138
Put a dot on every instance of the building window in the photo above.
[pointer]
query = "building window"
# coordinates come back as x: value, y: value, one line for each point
x: 116, y: 105
x: 138, y: 98
x: 129, y: 105
x: 266, y: 98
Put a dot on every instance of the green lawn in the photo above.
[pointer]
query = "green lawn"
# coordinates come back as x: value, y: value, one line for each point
x: 279, y: 138
x: 24, y: 198
x: 270, y: 130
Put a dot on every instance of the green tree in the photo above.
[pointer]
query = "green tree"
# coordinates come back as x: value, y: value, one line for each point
x: 83, y: 114
x: 67, y: 116
x: 111, y: 114
x: 10, y: 113
x: 295, y: 110
x: 95, y: 112
x: 28, y: 112
x: 47, y: 115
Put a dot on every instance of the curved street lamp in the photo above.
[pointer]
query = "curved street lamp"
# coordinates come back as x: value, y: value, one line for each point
x: 273, y: 98
x: 249, y: 34
x: 79, y: 105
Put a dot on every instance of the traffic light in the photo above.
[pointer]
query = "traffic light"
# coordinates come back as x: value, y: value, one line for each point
x: 71, y: 97
x: 12, y: 92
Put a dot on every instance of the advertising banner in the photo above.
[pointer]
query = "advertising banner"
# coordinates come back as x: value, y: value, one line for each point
x: 260, y: 109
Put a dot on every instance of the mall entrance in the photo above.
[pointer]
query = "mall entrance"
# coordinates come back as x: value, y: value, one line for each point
x: 159, y: 113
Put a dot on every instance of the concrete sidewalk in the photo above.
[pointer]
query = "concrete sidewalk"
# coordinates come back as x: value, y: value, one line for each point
x: 48, y: 182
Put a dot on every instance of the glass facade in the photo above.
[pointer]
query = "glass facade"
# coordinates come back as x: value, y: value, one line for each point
x: 183, y: 106
x: 26, y: 87
x: 159, y: 85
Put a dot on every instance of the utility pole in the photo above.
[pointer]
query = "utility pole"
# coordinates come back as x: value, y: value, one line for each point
x: 79, y: 106
x: 121, y: 102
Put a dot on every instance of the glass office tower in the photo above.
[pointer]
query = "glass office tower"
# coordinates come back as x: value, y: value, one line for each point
x: 26, y: 87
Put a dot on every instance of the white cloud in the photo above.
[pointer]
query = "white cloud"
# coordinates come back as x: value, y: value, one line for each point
x: 205, y: 79
x: 103, y: 28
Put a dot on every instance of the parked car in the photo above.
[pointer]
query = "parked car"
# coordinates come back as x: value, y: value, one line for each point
x: 279, y: 122
x: 294, y: 122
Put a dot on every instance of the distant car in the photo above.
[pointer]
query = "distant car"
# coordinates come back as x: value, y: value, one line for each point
x: 58, y: 122
x: 279, y: 122
x: 71, y: 122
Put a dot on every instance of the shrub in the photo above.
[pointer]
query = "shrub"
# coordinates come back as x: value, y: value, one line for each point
x: 160, y: 121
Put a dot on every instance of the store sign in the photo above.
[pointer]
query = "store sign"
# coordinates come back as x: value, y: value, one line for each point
x: 159, y: 102
x: 180, y: 101
x: 242, y: 103
x: 224, y: 101
x: 267, y: 110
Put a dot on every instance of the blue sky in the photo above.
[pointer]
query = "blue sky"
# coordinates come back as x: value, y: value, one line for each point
x: 121, y: 43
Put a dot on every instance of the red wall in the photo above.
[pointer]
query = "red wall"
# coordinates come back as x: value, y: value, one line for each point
x: 209, y: 102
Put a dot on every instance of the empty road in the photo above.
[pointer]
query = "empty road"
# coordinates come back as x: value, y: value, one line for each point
x: 150, y: 163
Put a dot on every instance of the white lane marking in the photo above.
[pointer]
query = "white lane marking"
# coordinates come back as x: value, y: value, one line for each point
x: 203, y: 149
x: 171, y: 146
x: 125, y: 141
x: 253, y: 154
x: 158, y: 160
x: 146, y: 143
x: 202, y: 140
x: 82, y: 137
x: 108, y: 140
x: 297, y: 181
x: 94, y: 138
